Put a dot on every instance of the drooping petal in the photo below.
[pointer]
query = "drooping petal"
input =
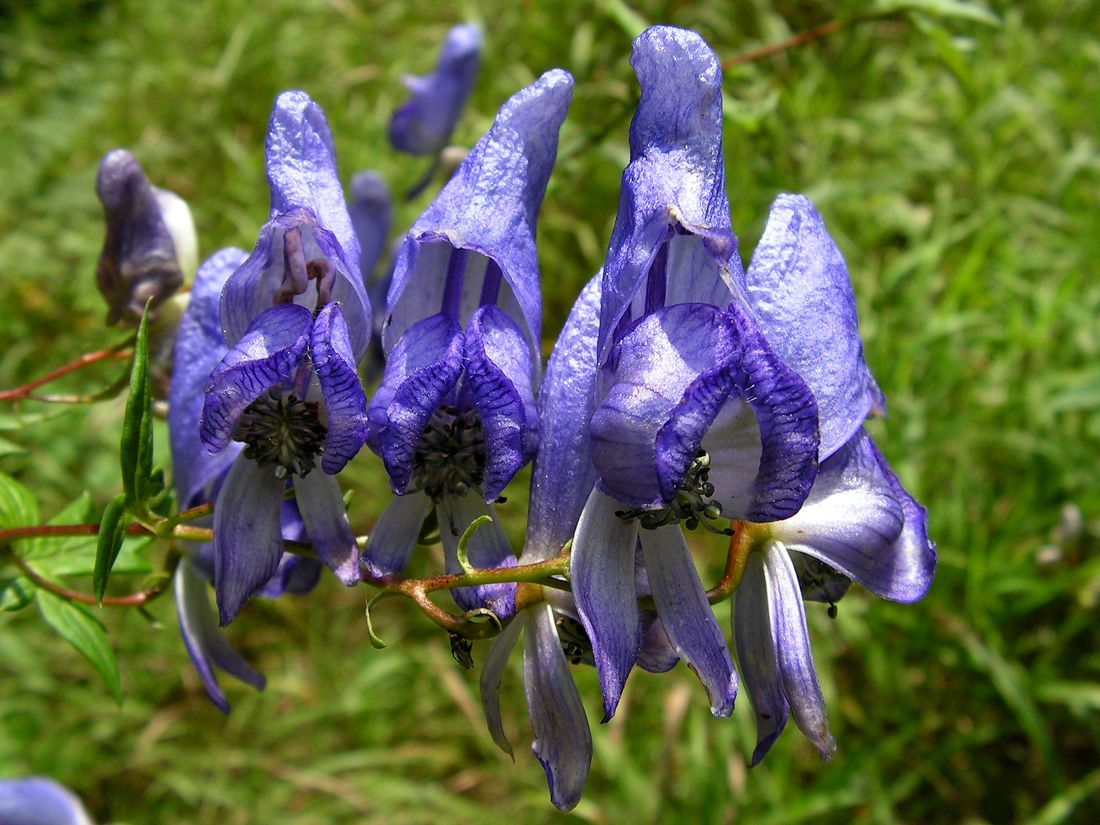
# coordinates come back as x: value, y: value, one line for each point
x: 423, y: 125
x: 301, y: 172
x: 686, y: 615
x: 691, y: 377
x: 394, y: 536
x: 198, y: 349
x: 37, y: 800
x: 345, y: 401
x: 489, y: 207
x: 204, y: 642
x: 914, y: 552
x: 752, y: 635
x: 492, y: 673
x: 563, y: 474
x: 371, y: 213
x: 268, y: 354
x: 296, y: 259
x: 247, y: 541
x: 601, y: 569
x: 488, y: 548
x: 140, y: 259
x: 563, y: 741
x: 853, y: 522
x: 799, y: 290
x: 420, y: 372
x: 322, y: 505
x: 675, y: 179
x: 498, y: 369
x: 792, y: 647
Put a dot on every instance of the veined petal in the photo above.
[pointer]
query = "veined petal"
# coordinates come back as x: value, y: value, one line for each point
x: 563, y: 741
x: 37, y: 800
x: 395, y: 533
x: 301, y: 171
x: 247, y: 541
x: 686, y: 615
x: 319, y: 272
x: 792, y: 646
x: 423, y: 125
x: 914, y: 552
x: 492, y: 673
x: 420, y: 372
x: 853, y: 522
x: 204, y: 642
x: 498, y: 369
x: 345, y: 402
x: 371, y: 211
x: 198, y: 349
x: 327, y: 526
x: 601, y: 569
x: 752, y: 634
x: 675, y: 179
x: 786, y: 426
x: 268, y: 354
x: 490, y: 207
x: 488, y: 548
x: 563, y: 474
x: 651, y: 369
x: 799, y: 290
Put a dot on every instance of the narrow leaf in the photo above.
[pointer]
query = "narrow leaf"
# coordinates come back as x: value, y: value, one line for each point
x: 136, y: 448
x: 15, y: 594
x: 112, y: 530
x: 80, y: 629
x: 17, y: 505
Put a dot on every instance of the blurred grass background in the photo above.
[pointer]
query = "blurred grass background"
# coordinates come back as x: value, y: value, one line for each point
x: 956, y: 162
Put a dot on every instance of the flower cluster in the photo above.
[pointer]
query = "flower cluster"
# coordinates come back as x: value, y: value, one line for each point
x: 685, y: 395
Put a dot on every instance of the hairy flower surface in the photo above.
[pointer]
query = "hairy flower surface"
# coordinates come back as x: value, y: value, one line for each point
x: 297, y: 320
x: 454, y: 417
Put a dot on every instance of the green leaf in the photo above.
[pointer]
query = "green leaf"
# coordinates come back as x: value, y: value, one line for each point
x: 80, y: 629
x: 944, y: 9
x: 10, y: 448
x: 112, y: 530
x: 17, y: 505
x: 136, y: 447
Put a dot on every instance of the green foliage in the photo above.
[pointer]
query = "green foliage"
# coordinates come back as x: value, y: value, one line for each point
x: 958, y: 165
x: 136, y: 449
x: 112, y: 530
x: 76, y: 625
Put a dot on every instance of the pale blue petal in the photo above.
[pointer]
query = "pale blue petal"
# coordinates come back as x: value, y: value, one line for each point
x: 394, y: 536
x: 322, y: 506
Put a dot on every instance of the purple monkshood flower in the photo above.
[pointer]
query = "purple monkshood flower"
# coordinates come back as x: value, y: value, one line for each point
x: 554, y: 637
x: 423, y: 125
x: 454, y: 417
x: 697, y: 418
x: 39, y: 801
x: 858, y: 521
x: 297, y: 320
x: 150, y: 246
x: 198, y: 475
x: 371, y: 211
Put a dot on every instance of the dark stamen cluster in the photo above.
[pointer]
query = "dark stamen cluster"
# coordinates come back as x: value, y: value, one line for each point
x: 691, y: 506
x: 450, y: 456
x: 574, y: 641
x: 282, y: 431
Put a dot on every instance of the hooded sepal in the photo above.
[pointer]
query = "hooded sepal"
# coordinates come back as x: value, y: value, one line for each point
x: 489, y: 207
x: 674, y: 184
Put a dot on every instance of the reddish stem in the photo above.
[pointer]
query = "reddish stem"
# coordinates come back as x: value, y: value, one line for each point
x: 131, y: 600
x: 799, y: 39
x: 118, y: 352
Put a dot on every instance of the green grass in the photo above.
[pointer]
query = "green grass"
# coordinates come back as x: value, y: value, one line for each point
x: 956, y: 164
